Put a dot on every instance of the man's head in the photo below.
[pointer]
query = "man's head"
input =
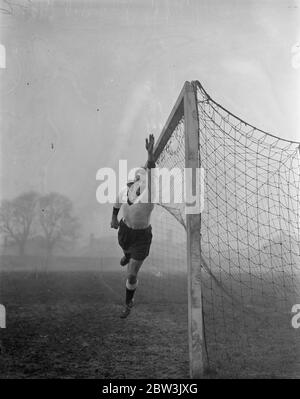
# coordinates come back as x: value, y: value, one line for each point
x: 140, y: 174
x: 137, y: 185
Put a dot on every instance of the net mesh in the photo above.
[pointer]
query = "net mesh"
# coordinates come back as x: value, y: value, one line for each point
x: 250, y: 234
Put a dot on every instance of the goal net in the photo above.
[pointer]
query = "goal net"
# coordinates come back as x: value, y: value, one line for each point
x: 250, y: 234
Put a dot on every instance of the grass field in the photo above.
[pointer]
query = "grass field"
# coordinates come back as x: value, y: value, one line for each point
x: 65, y: 324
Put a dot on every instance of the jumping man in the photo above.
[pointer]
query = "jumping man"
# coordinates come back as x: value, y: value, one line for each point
x: 135, y: 231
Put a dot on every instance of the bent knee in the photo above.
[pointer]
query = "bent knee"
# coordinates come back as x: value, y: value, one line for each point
x: 132, y: 279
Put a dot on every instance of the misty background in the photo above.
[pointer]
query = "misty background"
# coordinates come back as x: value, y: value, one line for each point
x: 86, y: 82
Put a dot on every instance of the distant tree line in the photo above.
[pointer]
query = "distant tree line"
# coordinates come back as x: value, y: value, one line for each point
x: 31, y: 214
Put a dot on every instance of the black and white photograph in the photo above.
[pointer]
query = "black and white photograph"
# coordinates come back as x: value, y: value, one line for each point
x: 149, y: 192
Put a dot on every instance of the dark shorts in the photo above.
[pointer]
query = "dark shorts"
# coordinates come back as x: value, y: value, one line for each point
x: 135, y: 242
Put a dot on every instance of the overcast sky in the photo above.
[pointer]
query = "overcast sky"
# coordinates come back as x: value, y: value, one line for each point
x: 86, y: 81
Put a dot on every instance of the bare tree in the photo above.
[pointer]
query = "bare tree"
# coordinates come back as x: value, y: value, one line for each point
x: 57, y: 220
x: 17, y: 217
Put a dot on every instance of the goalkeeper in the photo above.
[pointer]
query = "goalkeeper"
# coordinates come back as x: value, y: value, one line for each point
x: 135, y: 231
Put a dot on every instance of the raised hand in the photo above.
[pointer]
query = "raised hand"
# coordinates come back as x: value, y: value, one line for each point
x: 150, y: 144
